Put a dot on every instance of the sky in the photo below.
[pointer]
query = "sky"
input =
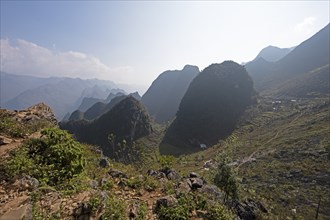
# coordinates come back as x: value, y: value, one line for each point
x: 133, y: 42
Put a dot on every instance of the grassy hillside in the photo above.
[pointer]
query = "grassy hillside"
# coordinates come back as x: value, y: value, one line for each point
x: 318, y: 85
x: 52, y: 176
x: 280, y: 152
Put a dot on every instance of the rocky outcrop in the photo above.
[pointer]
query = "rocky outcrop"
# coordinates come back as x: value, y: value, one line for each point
x: 83, y: 211
x: 104, y: 163
x: 248, y: 210
x: 117, y: 174
x: 170, y: 174
x: 4, y: 140
x: 40, y: 111
x: 166, y: 201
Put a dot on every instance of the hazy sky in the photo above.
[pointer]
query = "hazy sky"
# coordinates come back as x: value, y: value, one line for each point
x: 133, y: 42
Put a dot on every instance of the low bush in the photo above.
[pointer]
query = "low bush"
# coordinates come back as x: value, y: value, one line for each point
x: 115, y: 209
x: 52, y: 159
x: 190, y: 203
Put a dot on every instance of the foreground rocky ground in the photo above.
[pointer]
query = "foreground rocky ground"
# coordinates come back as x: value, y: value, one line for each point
x: 104, y: 189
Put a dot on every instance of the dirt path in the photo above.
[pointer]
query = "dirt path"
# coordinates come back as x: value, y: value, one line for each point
x: 249, y: 158
x: 6, y: 148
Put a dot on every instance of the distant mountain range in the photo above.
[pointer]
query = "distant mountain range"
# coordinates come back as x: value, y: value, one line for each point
x: 193, y: 98
x: 163, y: 97
x: 63, y: 95
x: 12, y: 85
x: 100, y: 107
x: 305, y: 67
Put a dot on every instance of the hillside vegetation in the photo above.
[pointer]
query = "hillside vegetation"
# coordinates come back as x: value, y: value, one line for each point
x: 52, y: 176
x: 280, y: 153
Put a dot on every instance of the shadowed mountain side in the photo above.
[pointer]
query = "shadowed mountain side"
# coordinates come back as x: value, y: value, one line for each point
x: 76, y: 115
x: 128, y: 120
x: 315, y: 83
x: 164, y: 95
x: 308, y: 56
x: 101, y: 106
x: 89, y: 101
x: 209, y: 110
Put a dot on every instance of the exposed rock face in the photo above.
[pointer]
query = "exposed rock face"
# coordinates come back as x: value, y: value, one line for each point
x: 166, y: 201
x: 104, y: 163
x: 164, y: 173
x: 5, y: 140
x: 40, y: 111
x: 117, y: 174
x: 248, y: 209
x: 26, y: 183
x: 211, y: 107
x: 83, y: 211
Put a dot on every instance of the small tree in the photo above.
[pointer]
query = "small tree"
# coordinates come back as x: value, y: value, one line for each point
x: 225, y: 180
x: 112, y: 142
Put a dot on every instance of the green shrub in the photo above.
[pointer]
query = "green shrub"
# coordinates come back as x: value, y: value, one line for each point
x: 143, y: 209
x: 150, y: 184
x: 108, y: 185
x: 115, y: 209
x: 135, y: 183
x: 10, y: 127
x: 180, y: 211
x: 52, y: 159
x: 94, y: 203
x: 168, y: 187
x: 174, y: 213
x: 189, y: 202
x: 217, y: 212
x: 166, y: 161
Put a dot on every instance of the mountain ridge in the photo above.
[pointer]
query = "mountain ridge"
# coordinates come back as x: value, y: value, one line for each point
x: 273, y: 53
x: 311, y: 54
x: 163, y: 97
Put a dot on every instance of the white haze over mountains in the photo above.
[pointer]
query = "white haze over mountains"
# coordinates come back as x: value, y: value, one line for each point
x: 26, y: 58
